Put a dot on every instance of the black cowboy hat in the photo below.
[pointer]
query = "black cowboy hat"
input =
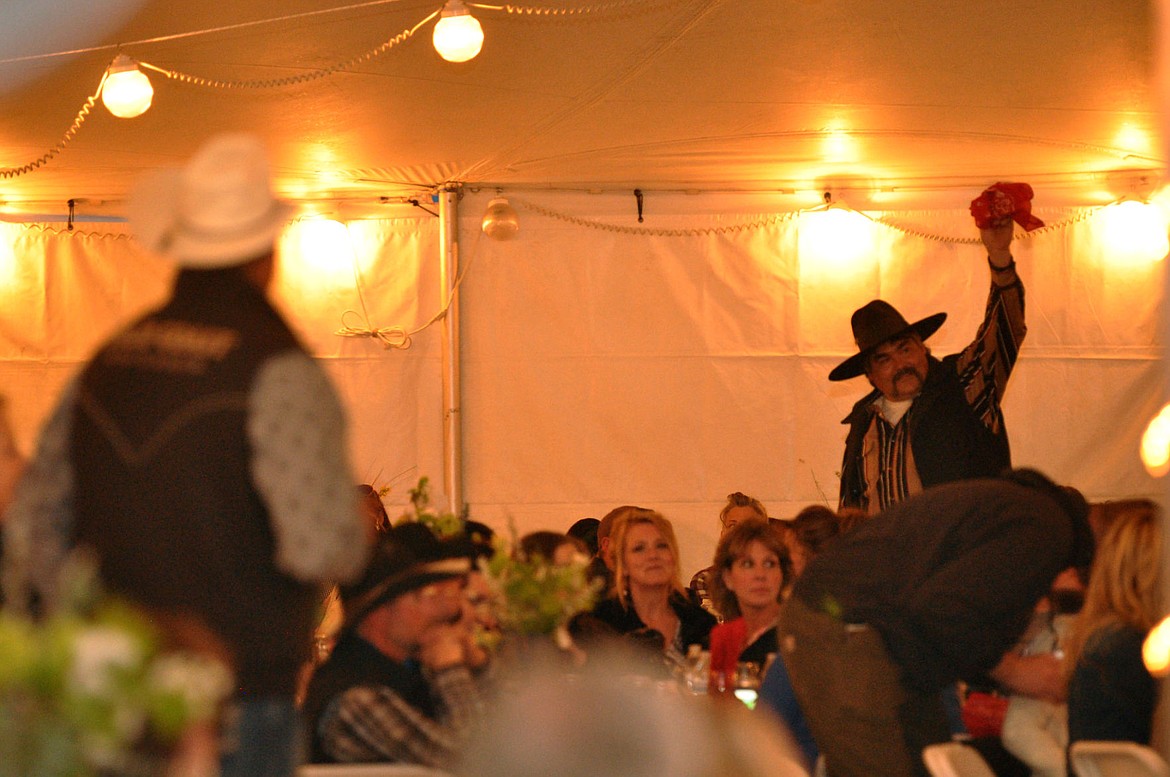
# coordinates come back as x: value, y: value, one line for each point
x: 875, y: 323
x: 406, y: 558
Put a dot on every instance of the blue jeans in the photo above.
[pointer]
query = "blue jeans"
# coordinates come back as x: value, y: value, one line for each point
x: 261, y: 738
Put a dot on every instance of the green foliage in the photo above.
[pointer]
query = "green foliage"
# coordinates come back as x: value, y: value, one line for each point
x: 83, y: 687
x: 535, y: 596
x: 443, y: 524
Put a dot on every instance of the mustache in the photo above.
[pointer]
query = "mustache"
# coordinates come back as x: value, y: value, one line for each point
x: 908, y: 371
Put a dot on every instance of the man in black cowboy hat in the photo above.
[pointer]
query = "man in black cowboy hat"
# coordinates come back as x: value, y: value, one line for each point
x: 398, y: 685
x: 930, y: 421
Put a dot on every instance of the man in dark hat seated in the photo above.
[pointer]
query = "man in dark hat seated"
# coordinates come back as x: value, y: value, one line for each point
x: 398, y: 685
x: 930, y: 421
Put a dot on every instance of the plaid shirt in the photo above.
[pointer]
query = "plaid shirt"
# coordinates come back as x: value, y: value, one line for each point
x: 370, y: 723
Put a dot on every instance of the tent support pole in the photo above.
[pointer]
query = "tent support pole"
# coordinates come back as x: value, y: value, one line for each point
x: 448, y: 272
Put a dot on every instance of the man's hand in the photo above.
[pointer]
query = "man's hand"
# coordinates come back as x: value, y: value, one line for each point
x: 444, y: 645
x: 998, y: 240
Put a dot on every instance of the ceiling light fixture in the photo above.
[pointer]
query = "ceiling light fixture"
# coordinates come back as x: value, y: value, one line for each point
x: 500, y: 221
x: 1135, y: 231
x: 834, y: 236
x: 458, y: 35
x: 126, y: 91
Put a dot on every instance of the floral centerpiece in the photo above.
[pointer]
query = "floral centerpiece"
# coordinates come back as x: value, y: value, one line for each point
x: 536, y: 597
x: 530, y: 596
x: 89, y: 689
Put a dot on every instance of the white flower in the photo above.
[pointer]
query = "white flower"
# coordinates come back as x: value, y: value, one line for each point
x: 98, y: 652
x: 202, y: 682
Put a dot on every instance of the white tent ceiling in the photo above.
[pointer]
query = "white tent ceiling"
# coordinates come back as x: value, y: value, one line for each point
x: 638, y: 366
x: 911, y: 100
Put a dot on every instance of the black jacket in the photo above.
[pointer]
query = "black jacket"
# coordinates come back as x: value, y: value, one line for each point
x: 947, y: 437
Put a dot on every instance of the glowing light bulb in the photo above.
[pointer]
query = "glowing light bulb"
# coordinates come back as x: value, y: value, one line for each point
x: 1135, y: 232
x: 1156, y: 649
x: 458, y: 35
x: 127, y: 91
x: 1155, y: 449
x: 325, y: 246
x: 500, y: 221
x: 836, y: 236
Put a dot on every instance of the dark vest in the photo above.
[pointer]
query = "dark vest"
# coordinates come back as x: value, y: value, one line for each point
x: 163, y: 487
x: 948, y: 439
x: 353, y: 663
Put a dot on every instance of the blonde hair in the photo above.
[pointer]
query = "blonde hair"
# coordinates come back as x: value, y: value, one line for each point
x: 1125, y: 582
x: 731, y: 548
x: 738, y: 499
x: 621, y: 531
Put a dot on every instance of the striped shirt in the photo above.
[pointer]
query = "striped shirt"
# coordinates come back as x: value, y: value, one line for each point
x: 983, y: 368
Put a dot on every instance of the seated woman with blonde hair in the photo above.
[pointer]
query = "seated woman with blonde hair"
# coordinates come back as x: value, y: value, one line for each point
x: 751, y: 568
x: 647, y: 599
x: 1111, y: 696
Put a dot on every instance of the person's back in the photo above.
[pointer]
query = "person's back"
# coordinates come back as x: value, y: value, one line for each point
x: 161, y: 458
x: 935, y: 589
x: 977, y: 554
x: 201, y: 453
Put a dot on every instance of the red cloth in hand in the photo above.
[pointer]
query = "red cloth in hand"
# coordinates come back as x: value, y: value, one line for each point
x: 1005, y: 199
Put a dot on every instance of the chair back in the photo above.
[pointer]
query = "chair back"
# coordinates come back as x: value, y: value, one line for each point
x: 369, y: 770
x: 955, y: 759
x: 1117, y: 759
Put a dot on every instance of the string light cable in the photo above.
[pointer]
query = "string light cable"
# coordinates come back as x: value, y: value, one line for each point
x: 44, y: 159
x: 724, y: 229
x: 596, y: 8
x: 396, y: 336
x: 1082, y: 215
x: 340, y: 67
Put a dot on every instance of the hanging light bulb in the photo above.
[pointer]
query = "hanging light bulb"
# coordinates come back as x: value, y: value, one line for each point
x: 1135, y: 232
x: 127, y: 91
x: 1156, y: 649
x: 500, y: 221
x: 458, y: 35
x: 1155, y: 446
x: 834, y: 237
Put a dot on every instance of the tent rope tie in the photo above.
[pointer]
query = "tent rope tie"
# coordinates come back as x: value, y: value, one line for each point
x: 393, y: 336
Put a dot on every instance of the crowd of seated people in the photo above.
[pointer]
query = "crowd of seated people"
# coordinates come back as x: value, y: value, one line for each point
x: 410, y: 675
x: 647, y: 612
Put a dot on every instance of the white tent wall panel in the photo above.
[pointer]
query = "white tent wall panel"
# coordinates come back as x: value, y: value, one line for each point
x: 602, y: 367
x: 382, y: 274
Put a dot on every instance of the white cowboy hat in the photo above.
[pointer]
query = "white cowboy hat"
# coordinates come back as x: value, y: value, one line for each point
x: 216, y: 211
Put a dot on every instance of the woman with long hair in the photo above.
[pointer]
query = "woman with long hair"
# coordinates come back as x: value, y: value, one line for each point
x: 647, y: 597
x: 1111, y: 696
